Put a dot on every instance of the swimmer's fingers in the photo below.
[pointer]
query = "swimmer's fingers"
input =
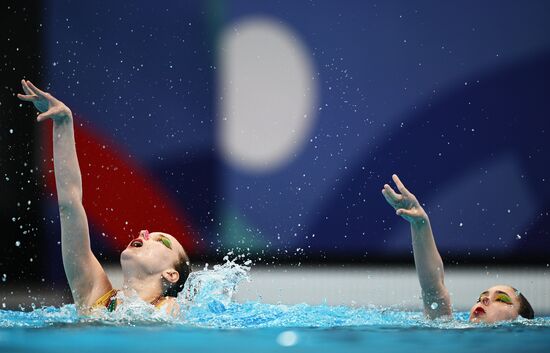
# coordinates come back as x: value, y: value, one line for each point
x: 26, y: 88
x: 400, y: 185
x: 391, y: 196
x: 409, y: 215
x: 390, y: 201
x: 44, y: 116
x: 37, y: 91
x: 27, y: 97
x: 52, y: 113
x: 405, y: 212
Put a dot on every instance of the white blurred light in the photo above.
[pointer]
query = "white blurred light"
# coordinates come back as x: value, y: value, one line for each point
x: 267, y: 94
x: 287, y: 338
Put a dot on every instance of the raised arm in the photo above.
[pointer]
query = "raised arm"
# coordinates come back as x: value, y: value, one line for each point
x: 427, y: 260
x: 85, y: 275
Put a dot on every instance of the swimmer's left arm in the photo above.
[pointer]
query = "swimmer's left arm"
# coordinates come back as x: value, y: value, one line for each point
x: 85, y: 275
x: 428, y: 263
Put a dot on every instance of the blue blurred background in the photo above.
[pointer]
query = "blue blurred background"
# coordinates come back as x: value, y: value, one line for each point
x: 271, y: 127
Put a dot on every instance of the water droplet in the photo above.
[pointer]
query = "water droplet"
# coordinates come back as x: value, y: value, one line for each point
x: 17, y: 243
x: 434, y: 306
x: 4, y: 277
x: 11, y: 131
x: 518, y: 236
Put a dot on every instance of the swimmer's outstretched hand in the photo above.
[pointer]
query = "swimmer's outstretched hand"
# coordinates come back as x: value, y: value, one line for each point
x: 405, y: 204
x: 47, y: 105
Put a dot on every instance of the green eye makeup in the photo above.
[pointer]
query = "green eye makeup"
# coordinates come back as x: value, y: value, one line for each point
x: 166, y: 242
x: 504, y: 298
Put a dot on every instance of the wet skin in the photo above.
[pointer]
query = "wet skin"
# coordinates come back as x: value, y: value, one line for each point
x: 498, y: 303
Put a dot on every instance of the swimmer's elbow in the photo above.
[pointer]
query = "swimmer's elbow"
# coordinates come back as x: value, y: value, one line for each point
x: 432, y: 283
x: 69, y: 204
x: 435, y: 288
x: 69, y: 199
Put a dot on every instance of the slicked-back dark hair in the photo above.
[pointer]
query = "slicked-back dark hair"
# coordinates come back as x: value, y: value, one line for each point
x: 525, y: 308
x: 183, y: 266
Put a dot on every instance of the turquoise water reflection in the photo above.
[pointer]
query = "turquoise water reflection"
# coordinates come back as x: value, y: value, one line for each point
x: 212, y: 321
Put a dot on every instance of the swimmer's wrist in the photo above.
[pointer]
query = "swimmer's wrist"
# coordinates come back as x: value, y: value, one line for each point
x: 421, y: 221
x: 65, y: 116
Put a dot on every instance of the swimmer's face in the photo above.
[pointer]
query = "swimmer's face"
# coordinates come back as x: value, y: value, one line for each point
x: 498, y: 303
x: 151, y: 254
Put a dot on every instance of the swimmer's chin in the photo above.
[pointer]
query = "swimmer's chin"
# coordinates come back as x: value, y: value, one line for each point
x: 478, y: 319
x: 132, y: 257
x: 127, y: 254
x: 128, y: 260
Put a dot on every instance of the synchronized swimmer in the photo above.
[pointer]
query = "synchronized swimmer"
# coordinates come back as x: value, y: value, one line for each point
x: 155, y: 266
x: 498, y: 303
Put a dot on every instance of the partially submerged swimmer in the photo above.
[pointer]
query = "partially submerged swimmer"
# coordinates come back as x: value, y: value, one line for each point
x: 498, y: 303
x: 154, y: 265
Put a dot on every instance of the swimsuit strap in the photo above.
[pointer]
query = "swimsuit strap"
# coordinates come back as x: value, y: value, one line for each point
x: 158, y: 302
x: 107, y: 300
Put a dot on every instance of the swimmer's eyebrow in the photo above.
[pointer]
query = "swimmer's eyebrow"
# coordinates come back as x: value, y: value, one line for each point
x: 497, y: 292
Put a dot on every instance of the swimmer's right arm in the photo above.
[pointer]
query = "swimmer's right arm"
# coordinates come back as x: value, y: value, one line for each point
x: 429, y: 265
x: 86, y: 277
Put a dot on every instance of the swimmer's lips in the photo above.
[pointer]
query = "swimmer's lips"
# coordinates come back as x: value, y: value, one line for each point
x: 136, y: 243
x: 478, y: 311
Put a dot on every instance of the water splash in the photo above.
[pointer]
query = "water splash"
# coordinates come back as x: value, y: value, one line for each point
x: 206, y: 301
x: 213, y: 288
x: 131, y: 309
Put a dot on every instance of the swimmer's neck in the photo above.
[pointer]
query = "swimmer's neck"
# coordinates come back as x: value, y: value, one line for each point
x: 148, y: 288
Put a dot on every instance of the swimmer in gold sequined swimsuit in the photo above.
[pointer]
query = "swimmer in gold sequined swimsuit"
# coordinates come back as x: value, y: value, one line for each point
x: 154, y: 265
x: 109, y: 301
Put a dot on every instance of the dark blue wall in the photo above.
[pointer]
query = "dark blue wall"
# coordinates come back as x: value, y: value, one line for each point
x: 451, y: 96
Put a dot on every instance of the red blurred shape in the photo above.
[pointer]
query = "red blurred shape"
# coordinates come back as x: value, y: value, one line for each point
x: 119, y: 196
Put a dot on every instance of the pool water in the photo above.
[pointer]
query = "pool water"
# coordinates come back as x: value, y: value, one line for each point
x: 211, y: 321
x: 256, y: 327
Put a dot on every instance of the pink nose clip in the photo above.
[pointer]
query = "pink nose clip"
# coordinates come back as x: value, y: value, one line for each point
x: 145, y: 234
